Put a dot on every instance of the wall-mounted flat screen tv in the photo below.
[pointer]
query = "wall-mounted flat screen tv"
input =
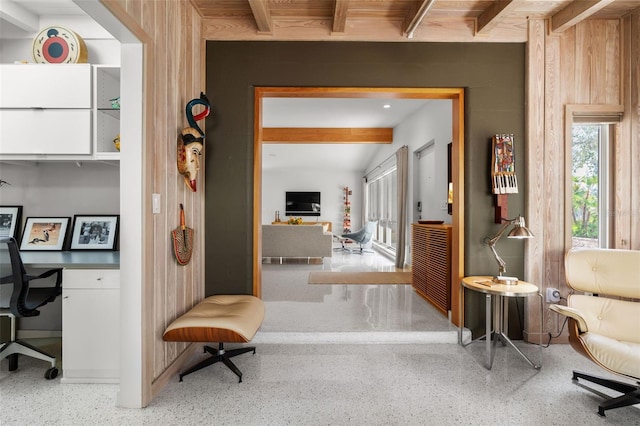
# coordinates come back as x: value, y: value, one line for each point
x: 303, y: 203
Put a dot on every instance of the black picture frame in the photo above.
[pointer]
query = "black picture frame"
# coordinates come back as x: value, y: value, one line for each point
x: 44, y: 233
x: 94, y: 232
x: 10, y: 221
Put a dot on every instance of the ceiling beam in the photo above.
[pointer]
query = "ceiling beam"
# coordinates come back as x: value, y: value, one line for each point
x: 494, y: 15
x: 262, y: 15
x: 326, y: 135
x: 340, y: 16
x: 418, y: 17
x: 575, y: 12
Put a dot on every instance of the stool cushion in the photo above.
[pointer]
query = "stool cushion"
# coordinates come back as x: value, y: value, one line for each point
x: 221, y: 318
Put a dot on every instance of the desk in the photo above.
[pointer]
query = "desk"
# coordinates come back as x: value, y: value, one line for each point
x: 496, y: 297
x: 71, y: 259
x: 90, y: 312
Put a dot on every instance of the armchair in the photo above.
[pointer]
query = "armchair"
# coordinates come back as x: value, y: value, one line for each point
x: 602, y: 327
x: 23, y: 301
x: 362, y: 236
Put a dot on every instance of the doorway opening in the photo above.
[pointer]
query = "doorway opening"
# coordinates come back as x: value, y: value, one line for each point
x: 456, y: 95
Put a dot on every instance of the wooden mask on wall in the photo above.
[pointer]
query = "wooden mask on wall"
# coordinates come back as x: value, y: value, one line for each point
x: 191, y: 142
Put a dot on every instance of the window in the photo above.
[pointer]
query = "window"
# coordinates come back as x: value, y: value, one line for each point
x: 382, y: 207
x: 589, y: 185
x: 589, y: 135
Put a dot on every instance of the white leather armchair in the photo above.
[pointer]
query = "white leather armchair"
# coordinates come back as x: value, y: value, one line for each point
x: 602, y: 326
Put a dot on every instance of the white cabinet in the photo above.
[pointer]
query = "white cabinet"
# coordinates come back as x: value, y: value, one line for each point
x: 45, y: 86
x: 58, y: 112
x: 45, y: 109
x: 90, y: 326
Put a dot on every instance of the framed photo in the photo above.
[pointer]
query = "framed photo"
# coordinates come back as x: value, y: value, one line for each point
x: 44, y: 233
x: 93, y: 232
x: 10, y: 221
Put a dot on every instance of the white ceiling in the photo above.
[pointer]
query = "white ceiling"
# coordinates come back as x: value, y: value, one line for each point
x: 315, y: 112
x: 20, y: 18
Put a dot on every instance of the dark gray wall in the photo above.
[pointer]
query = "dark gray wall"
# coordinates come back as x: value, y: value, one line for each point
x: 492, y: 75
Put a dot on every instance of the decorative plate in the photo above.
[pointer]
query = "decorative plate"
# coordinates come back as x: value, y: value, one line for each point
x: 59, y: 45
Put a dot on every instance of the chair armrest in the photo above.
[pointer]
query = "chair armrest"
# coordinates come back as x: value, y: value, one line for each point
x: 45, y: 274
x: 571, y: 313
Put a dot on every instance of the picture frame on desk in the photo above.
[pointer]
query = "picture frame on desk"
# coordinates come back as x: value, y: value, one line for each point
x: 10, y: 220
x: 44, y: 233
x: 94, y: 232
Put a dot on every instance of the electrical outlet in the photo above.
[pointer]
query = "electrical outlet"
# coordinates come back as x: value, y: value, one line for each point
x: 553, y: 295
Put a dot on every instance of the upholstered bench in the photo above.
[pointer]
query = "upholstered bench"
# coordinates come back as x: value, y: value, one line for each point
x: 222, y: 319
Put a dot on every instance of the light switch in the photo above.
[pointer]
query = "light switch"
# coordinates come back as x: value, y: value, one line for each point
x: 155, y: 203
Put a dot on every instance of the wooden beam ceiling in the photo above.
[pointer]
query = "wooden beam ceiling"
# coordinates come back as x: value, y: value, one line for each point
x: 420, y: 14
x: 340, y: 16
x: 396, y: 20
x: 495, y: 14
x: 262, y: 15
x: 575, y: 12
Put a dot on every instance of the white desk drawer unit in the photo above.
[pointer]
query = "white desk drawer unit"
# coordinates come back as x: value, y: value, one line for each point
x: 90, y: 326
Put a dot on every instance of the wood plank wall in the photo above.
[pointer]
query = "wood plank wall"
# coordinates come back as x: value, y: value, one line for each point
x: 594, y: 63
x: 174, y: 74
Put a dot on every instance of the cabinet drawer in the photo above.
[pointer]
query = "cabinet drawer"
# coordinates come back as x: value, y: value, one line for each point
x: 45, y: 86
x: 90, y: 278
x: 45, y: 131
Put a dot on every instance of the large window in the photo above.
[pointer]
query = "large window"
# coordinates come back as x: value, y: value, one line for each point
x: 382, y: 207
x: 590, y: 185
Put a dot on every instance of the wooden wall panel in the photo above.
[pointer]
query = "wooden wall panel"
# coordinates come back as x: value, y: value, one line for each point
x: 535, y: 155
x: 594, y: 63
x: 173, y: 75
x: 631, y: 90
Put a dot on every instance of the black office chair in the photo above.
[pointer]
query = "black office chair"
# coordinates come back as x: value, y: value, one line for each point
x: 362, y: 236
x: 24, y: 302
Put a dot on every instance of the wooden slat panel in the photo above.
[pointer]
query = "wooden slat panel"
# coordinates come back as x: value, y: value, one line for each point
x: 431, y: 264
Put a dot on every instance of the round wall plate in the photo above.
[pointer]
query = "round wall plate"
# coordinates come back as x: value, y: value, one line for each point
x: 59, y: 45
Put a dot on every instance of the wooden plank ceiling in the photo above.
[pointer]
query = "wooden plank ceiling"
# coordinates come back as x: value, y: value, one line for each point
x: 396, y: 20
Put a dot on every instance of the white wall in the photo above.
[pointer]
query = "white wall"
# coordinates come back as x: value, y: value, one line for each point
x: 330, y: 183
x: 432, y: 122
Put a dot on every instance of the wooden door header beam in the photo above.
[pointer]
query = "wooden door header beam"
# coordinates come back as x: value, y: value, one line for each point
x: 326, y: 135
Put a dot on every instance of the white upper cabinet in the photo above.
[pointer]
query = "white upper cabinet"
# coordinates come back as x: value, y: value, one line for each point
x: 59, y: 111
x: 45, y: 86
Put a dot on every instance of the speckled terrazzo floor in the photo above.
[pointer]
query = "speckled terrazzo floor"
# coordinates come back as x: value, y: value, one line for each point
x: 433, y: 384
x: 308, y: 371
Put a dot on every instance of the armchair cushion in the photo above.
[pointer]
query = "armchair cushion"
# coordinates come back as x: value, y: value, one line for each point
x: 615, y: 355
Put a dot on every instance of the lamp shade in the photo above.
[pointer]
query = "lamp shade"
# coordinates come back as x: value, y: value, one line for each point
x: 520, y: 232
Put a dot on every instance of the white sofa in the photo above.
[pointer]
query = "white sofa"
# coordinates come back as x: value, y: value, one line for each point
x: 296, y: 241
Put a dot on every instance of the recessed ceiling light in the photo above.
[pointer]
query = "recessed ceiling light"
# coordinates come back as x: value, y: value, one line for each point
x: 386, y: 106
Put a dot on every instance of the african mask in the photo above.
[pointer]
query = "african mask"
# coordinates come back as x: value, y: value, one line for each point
x: 191, y: 143
x: 189, y: 152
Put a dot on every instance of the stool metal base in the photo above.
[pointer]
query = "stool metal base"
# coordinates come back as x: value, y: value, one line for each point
x: 220, y: 355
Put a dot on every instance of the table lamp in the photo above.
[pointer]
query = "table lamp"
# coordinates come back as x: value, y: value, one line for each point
x: 519, y: 231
